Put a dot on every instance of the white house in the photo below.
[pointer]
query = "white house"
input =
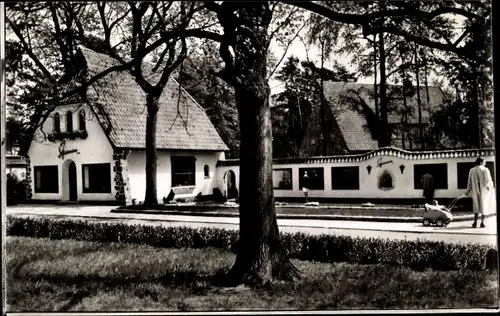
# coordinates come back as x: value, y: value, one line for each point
x: 92, y: 146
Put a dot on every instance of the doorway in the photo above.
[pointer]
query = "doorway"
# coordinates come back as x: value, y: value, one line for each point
x: 72, y: 182
x: 231, y: 191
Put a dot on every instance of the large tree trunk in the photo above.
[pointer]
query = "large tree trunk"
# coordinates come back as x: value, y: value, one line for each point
x: 385, y: 137
x: 419, y: 103
x: 151, y: 122
x: 261, y: 257
x: 375, y: 87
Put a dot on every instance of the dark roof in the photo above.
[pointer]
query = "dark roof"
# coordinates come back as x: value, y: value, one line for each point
x: 120, y: 105
x: 347, y: 101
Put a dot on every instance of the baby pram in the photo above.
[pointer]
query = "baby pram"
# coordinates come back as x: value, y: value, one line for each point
x: 438, y: 214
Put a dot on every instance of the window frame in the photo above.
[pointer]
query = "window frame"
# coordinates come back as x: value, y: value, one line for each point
x: 206, y: 171
x: 355, y: 187
x: 462, y: 179
x: 174, y: 175
x: 91, y: 189
x: 69, y: 122
x: 57, y: 123
x: 44, y: 188
x: 417, y: 176
x: 291, y: 179
x: 309, y: 172
x: 82, y: 119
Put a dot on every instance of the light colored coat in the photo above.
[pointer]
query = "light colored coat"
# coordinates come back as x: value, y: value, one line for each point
x: 480, y: 188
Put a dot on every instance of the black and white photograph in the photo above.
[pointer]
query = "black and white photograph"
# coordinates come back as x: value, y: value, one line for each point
x: 256, y: 157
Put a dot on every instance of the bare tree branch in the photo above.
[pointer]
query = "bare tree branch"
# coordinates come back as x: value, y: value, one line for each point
x: 30, y: 53
x: 286, y: 49
x: 287, y: 20
x: 427, y: 42
x: 365, y: 19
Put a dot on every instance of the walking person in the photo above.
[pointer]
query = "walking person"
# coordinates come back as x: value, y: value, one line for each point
x: 479, y: 186
x: 428, y: 186
x: 305, y: 185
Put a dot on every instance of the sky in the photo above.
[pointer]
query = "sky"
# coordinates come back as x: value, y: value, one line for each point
x: 298, y: 49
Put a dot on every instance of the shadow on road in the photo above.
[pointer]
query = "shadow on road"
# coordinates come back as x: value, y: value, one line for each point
x: 437, y: 229
x: 458, y: 227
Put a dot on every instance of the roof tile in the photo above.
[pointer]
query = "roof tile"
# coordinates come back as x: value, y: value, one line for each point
x: 182, y: 123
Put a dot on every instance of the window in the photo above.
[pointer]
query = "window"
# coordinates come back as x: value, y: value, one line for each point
x: 385, y: 181
x: 96, y: 178
x: 206, y: 171
x: 282, y: 179
x: 69, y: 121
x: 183, y: 171
x: 314, y: 179
x: 439, y: 172
x: 81, y: 120
x: 463, y: 172
x: 46, y: 179
x: 57, y: 123
x: 345, y: 178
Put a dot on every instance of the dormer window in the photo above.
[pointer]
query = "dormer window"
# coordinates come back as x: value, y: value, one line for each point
x: 81, y: 119
x: 57, y: 123
x: 69, y: 121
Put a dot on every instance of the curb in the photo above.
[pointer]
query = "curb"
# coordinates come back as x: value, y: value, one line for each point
x: 105, y: 219
x: 298, y: 216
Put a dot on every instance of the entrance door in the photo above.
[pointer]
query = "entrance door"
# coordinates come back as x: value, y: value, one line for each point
x: 232, y: 192
x: 73, y: 195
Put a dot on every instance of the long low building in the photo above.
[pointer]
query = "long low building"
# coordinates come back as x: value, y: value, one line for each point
x: 387, y: 174
x: 383, y: 174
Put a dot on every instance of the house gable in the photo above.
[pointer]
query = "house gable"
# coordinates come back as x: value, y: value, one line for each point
x: 95, y: 143
x: 120, y: 105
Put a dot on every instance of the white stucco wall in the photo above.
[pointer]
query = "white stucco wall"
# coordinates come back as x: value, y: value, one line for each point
x: 136, y: 161
x: 368, y: 187
x: 94, y: 149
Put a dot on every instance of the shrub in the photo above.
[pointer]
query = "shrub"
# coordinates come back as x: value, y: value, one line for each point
x: 418, y: 255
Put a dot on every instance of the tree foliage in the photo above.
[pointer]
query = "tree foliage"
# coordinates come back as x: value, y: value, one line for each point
x: 301, y: 96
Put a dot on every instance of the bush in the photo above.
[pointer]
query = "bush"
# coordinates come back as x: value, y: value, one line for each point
x: 418, y: 255
x: 15, y: 190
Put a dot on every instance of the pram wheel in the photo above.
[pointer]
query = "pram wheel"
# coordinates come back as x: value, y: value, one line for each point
x: 426, y: 222
x: 439, y: 223
x: 447, y: 222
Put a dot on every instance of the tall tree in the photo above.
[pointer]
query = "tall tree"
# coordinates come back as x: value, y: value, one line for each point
x: 213, y: 94
x: 261, y: 255
x: 244, y: 46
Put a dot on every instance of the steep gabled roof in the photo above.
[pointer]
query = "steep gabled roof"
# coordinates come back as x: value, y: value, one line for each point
x: 120, y: 105
x: 348, y: 101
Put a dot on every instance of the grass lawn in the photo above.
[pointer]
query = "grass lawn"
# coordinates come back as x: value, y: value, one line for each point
x: 417, y: 213
x: 69, y: 275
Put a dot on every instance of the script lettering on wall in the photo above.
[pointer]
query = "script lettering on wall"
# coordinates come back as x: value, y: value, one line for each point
x: 63, y: 152
x: 381, y: 162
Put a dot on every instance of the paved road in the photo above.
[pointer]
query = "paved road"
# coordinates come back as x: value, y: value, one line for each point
x: 456, y: 232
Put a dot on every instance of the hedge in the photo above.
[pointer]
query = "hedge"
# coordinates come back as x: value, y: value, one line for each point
x: 418, y: 254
